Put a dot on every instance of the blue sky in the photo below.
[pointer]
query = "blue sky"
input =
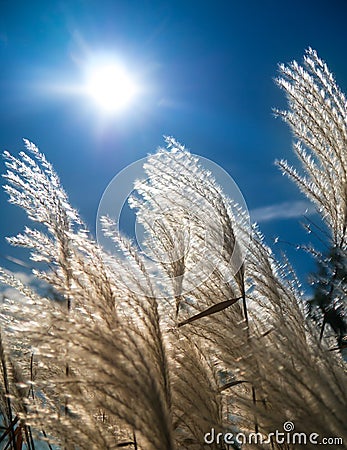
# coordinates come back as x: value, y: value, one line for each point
x: 207, y: 72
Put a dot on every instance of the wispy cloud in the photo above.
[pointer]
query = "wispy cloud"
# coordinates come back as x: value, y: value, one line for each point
x: 28, y: 279
x: 285, y: 210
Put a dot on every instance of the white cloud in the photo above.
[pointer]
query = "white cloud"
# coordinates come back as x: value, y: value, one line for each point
x: 11, y: 293
x: 285, y: 210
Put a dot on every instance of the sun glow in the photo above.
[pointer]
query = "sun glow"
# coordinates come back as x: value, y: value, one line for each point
x: 110, y: 87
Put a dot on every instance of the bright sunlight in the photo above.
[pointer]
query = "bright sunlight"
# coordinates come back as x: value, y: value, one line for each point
x: 111, y: 87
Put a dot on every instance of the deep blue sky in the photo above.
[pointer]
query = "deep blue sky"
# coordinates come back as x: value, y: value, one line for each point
x: 208, y: 68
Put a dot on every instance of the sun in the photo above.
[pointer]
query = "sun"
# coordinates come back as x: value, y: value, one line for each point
x: 110, y: 87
